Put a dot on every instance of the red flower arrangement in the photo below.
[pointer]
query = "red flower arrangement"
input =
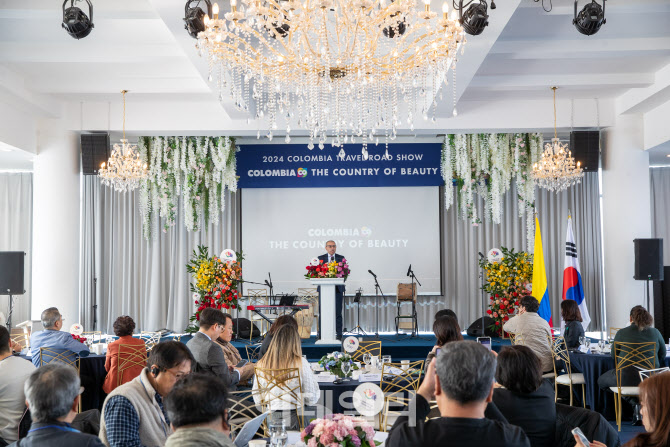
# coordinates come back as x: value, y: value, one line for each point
x: 79, y: 338
x: 319, y: 269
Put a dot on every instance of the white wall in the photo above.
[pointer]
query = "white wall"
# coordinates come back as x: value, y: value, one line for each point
x: 626, y: 214
x: 56, y: 200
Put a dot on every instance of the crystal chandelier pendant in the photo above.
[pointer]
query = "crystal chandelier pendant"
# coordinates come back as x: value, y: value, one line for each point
x: 125, y: 169
x: 556, y: 170
x: 338, y: 70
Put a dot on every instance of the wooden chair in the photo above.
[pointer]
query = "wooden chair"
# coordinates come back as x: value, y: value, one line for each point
x: 280, y: 385
x: 406, y: 293
x: 630, y: 355
x: 367, y: 347
x: 151, y: 339
x: 613, y: 331
x: 560, y: 352
x: 257, y: 297
x: 253, y: 352
x: 131, y: 358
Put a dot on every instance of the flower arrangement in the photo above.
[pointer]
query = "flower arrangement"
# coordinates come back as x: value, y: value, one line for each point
x: 508, y: 276
x: 199, y: 169
x: 215, y: 281
x: 320, y: 269
x: 79, y: 338
x: 333, y: 363
x: 339, y: 430
x: 484, y: 165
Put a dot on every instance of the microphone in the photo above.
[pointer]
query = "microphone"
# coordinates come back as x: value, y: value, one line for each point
x: 370, y: 272
x: 481, y: 255
x: 267, y: 283
x: 409, y: 269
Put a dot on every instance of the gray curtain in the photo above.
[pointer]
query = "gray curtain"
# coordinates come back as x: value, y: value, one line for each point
x: 462, y: 242
x: 16, y: 223
x: 144, y: 279
x: 148, y: 280
x: 660, y: 208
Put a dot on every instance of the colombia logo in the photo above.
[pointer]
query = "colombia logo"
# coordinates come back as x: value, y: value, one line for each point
x: 302, y: 172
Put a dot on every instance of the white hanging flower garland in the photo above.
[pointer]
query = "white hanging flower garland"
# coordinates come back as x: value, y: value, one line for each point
x: 486, y: 164
x: 199, y: 169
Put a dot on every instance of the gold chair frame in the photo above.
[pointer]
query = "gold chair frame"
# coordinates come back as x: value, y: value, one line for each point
x: 395, y: 384
x: 22, y: 339
x: 243, y: 410
x: 253, y: 352
x: 367, y: 347
x: 61, y: 356
x: 129, y: 356
x: 516, y: 339
x: 560, y: 352
x: 640, y: 355
x: 390, y: 409
x: 613, y: 331
x: 257, y: 297
x: 647, y: 373
x: 274, y: 385
x: 151, y: 339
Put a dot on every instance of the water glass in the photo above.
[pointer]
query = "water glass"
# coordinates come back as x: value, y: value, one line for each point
x: 386, y: 359
x: 346, y: 367
x: 601, y: 346
x: 367, y: 358
x: 581, y: 340
x: 278, y: 435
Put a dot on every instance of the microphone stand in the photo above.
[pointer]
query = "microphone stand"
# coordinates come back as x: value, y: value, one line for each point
x: 415, y: 323
x: 378, y: 291
x: 237, y: 313
x: 481, y: 287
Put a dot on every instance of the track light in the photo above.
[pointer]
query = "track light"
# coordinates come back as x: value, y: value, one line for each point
x: 194, y: 17
x: 590, y: 18
x: 75, y: 21
x: 475, y: 18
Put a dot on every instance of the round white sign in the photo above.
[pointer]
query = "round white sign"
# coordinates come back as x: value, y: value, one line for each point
x: 350, y: 344
x: 228, y: 255
x: 76, y: 329
x: 368, y: 399
x: 494, y: 255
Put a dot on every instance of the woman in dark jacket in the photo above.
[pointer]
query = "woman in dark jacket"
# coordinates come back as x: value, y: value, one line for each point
x: 279, y: 322
x: 573, y: 323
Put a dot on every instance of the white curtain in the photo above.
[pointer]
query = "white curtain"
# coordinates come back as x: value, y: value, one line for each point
x: 660, y: 208
x: 144, y: 279
x: 16, y: 223
x: 148, y: 280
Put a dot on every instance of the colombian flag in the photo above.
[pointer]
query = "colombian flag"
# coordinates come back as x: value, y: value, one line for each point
x: 540, y: 289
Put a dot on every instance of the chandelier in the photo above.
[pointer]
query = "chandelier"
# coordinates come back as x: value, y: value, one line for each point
x: 124, y: 170
x: 556, y: 169
x: 351, y: 70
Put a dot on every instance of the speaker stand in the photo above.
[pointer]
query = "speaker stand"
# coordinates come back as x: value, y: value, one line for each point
x: 648, y: 302
x: 9, y: 314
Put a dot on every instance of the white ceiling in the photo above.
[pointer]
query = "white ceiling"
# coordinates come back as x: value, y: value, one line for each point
x: 141, y: 45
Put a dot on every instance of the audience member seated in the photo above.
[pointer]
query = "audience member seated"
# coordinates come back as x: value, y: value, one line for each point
x: 534, y: 330
x: 526, y: 400
x: 123, y: 328
x: 53, y: 338
x: 14, y: 371
x: 279, y: 322
x: 655, y: 398
x: 133, y: 415
x: 230, y: 352
x: 207, y: 354
x: 285, y: 352
x: 53, y: 393
x: 445, y: 313
x: 446, y: 329
x: 572, y: 317
x: 461, y: 380
x: 196, y: 407
x: 639, y: 331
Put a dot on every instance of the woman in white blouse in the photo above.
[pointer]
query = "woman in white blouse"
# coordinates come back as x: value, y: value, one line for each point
x: 285, y: 352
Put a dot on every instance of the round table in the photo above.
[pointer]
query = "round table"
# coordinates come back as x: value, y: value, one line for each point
x: 338, y: 398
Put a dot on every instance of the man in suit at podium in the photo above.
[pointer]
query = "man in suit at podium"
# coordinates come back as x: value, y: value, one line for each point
x: 329, y: 257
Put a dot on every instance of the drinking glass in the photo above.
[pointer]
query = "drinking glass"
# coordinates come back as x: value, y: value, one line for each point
x: 386, y: 359
x: 581, y: 340
x: 278, y: 435
x: 601, y: 346
x: 346, y: 367
x: 367, y: 358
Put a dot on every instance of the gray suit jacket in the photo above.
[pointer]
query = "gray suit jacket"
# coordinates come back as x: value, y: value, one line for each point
x: 210, y: 360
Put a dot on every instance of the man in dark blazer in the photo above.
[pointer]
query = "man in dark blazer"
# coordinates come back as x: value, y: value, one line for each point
x: 331, y: 256
x: 208, y: 355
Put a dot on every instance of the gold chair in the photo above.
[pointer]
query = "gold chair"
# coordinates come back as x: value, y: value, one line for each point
x: 280, y: 386
x: 560, y: 352
x: 613, y: 331
x: 253, y: 352
x: 630, y: 355
x: 516, y: 339
x: 151, y: 339
x: 257, y: 297
x: 20, y: 337
x: 406, y: 293
x: 242, y: 408
x: 48, y: 355
x: 93, y: 336
x: 367, y: 347
x: 393, y: 407
x: 131, y: 358
x: 396, y: 379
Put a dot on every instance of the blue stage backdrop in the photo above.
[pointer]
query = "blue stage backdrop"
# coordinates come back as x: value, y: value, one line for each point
x: 295, y: 166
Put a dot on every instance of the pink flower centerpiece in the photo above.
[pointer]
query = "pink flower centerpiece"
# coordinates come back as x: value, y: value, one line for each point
x: 338, y: 430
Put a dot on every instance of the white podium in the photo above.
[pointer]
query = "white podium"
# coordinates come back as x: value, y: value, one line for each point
x: 327, y: 310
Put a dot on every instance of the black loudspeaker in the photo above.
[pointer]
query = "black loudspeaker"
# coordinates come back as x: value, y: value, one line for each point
x: 585, y: 147
x: 11, y: 272
x: 648, y: 259
x: 94, y: 152
x: 475, y: 329
x: 662, y: 304
x: 242, y: 327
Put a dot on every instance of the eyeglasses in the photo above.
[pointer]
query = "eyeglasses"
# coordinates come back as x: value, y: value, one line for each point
x: 331, y: 245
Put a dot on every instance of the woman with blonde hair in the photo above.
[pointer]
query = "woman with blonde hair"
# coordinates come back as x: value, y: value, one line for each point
x: 280, y: 391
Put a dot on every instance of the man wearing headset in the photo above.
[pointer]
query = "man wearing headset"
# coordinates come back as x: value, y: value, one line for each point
x: 133, y: 415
